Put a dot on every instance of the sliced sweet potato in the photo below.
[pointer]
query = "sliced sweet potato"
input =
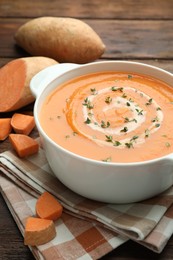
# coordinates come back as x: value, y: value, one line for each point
x: 5, y: 128
x: 23, y: 145
x: 15, y: 77
x: 48, y: 207
x: 22, y: 124
x: 38, y: 231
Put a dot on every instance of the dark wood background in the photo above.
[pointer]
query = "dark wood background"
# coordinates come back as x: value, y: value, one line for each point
x: 140, y: 30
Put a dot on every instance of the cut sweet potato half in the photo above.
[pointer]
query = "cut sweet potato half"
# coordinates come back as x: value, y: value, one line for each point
x: 15, y: 78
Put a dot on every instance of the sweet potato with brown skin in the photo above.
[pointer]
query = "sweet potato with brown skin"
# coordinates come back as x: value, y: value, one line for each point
x: 63, y: 39
x: 38, y: 231
x: 15, y: 78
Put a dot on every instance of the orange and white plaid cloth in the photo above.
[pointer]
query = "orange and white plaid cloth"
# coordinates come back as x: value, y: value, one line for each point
x: 87, y: 229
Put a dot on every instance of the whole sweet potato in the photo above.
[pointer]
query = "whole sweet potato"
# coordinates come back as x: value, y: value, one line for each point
x: 63, y: 39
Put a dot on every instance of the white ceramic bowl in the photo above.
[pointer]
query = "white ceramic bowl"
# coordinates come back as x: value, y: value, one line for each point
x: 102, y: 181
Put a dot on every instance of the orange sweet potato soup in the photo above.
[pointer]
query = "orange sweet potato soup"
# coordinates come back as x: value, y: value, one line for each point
x: 111, y: 116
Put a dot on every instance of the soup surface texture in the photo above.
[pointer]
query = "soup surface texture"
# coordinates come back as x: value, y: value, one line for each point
x: 111, y: 116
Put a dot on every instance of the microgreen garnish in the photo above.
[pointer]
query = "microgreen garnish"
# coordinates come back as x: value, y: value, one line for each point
x: 93, y: 91
x: 134, y: 138
x: 125, y: 129
x: 105, y: 125
x: 109, y: 138
x: 85, y: 102
x: 156, y: 119
x: 90, y: 114
x: 88, y: 104
x: 116, y: 143
x: 149, y: 102
x: 129, y: 145
x: 140, y: 112
x: 108, y: 100
x: 116, y: 89
x: 158, y: 108
x: 108, y: 159
x: 147, y: 133
x: 88, y: 121
x: 128, y: 104
x: 129, y: 76
x: 127, y: 120
x: 124, y: 95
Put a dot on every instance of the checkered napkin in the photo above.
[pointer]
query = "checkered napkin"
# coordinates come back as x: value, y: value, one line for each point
x: 87, y: 229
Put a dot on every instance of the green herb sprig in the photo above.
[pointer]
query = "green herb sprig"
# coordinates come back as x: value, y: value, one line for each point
x: 125, y: 129
x: 93, y: 91
x: 88, y: 104
x: 109, y: 138
x: 132, y: 140
x: 108, y: 100
x: 116, y: 89
x: 105, y: 125
x: 87, y: 121
x: 127, y: 120
x: 149, y: 102
x: 108, y: 159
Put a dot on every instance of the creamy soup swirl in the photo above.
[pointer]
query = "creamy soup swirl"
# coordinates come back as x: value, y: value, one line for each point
x: 116, y: 113
x: 111, y: 116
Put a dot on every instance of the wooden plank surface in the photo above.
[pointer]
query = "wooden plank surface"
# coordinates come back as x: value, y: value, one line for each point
x: 137, y: 30
x: 127, y: 39
x: 101, y: 9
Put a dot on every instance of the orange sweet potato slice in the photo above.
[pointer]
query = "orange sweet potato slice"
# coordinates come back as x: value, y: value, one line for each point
x: 22, y: 124
x: 47, y: 207
x: 5, y: 128
x: 23, y: 144
x: 38, y: 231
x: 15, y: 78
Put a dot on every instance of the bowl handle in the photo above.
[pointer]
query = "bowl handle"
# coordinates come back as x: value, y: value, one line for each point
x: 45, y: 76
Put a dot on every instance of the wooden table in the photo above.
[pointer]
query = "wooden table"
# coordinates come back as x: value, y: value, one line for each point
x: 131, y: 30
